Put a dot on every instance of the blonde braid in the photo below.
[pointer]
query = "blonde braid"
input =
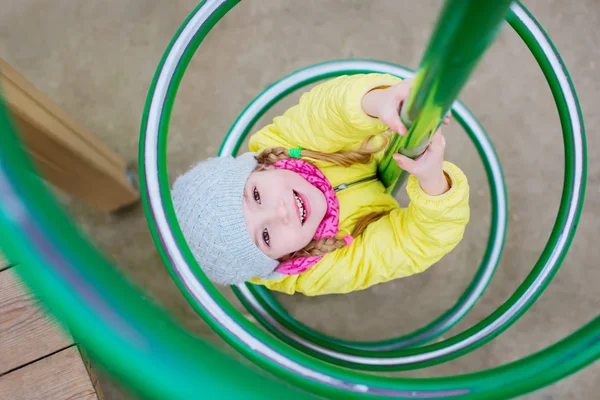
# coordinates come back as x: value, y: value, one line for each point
x: 364, y: 155
x: 319, y: 247
x: 269, y: 157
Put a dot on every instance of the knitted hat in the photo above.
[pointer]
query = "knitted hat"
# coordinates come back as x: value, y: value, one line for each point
x: 208, y: 203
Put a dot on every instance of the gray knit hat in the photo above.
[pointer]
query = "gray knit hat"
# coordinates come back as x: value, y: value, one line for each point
x: 208, y: 203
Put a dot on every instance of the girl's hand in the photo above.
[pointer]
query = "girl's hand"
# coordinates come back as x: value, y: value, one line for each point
x: 385, y: 105
x: 428, y: 168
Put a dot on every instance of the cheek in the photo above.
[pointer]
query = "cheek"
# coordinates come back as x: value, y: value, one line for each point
x: 302, y: 240
x: 296, y: 239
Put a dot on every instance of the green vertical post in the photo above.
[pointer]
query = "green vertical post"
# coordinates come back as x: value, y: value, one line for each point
x: 464, y: 30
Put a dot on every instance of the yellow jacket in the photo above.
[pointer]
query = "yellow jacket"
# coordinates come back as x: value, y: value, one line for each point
x: 409, y: 240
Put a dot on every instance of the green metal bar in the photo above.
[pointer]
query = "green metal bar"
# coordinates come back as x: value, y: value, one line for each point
x: 464, y: 30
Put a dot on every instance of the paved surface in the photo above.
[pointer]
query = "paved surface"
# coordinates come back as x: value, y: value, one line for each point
x: 96, y: 59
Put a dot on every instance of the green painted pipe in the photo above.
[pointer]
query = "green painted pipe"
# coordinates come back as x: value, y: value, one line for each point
x: 464, y: 30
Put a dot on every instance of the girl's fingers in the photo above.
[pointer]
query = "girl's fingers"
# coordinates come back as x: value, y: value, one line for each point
x: 404, y: 86
x: 438, y: 142
x: 401, y: 90
x: 392, y: 119
x: 405, y: 163
x: 400, y: 128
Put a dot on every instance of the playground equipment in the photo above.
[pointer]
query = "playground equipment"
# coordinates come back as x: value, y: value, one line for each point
x: 145, y: 349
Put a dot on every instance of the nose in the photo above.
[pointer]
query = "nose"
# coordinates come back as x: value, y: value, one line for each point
x: 283, y: 214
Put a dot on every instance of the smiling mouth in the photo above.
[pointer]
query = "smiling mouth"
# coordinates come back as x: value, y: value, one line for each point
x: 301, y: 208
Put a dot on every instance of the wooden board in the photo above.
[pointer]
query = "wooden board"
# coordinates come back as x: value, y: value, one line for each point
x: 11, y: 75
x: 26, y: 333
x: 60, y: 376
x: 87, y: 168
x: 91, y: 373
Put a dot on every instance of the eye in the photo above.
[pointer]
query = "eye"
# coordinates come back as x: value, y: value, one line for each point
x: 256, y: 196
x: 266, y: 238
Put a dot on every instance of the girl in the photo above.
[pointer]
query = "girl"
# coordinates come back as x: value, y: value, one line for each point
x: 304, y: 211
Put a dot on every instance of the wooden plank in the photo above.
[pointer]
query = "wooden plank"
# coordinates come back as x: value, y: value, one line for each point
x: 26, y: 333
x: 90, y: 170
x: 60, y: 376
x: 91, y: 373
x: 63, y: 181
x: 52, y: 132
x: 10, y: 74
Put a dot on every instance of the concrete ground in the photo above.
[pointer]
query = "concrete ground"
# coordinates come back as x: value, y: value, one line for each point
x: 96, y: 60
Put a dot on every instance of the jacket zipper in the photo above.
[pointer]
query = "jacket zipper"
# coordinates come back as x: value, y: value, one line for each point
x: 347, y: 185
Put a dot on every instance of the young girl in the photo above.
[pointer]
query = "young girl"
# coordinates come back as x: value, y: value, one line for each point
x: 304, y: 211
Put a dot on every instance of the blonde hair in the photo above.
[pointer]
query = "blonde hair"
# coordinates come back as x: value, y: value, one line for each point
x: 364, y: 155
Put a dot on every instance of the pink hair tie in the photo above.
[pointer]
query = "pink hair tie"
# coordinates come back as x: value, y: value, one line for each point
x: 348, y: 240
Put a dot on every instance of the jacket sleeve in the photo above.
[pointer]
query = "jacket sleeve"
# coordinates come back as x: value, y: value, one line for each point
x: 328, y: 118
x: 405, y: 242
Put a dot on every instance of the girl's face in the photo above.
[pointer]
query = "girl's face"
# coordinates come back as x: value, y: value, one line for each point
x: 282, y: 211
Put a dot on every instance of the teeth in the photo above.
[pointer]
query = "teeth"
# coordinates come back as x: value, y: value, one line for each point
x: 301, y: 208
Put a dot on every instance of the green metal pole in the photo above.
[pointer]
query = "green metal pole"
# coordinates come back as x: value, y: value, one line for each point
x: 464, y: 30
